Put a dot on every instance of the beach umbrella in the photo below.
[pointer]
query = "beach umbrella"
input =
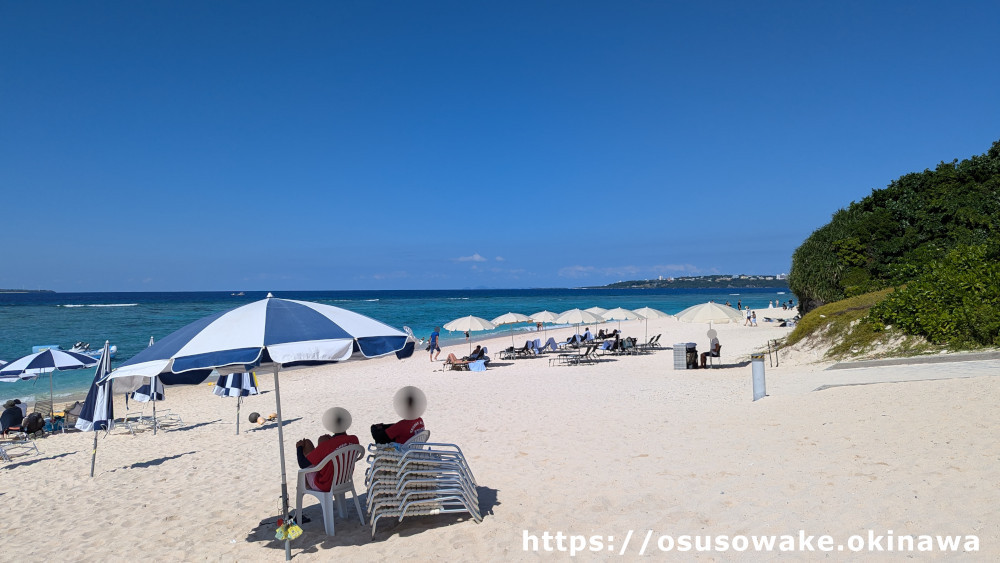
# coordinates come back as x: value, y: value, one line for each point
x: 619, y: 314
x: 650, y: 313
x: 578, y: 317
x: 272, y: 334
x: 152, y: 391
x: 597, y: 311
x: 709, y: 313
x: 511, y: 319
x: 544, y: 317
x: 239, y: 385
x: 46, y: 361
x: 98, y: 408
x: 469, y: 324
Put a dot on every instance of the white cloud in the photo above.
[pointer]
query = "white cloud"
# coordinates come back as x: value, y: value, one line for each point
x: 474, y: 258
x: 499, y: 258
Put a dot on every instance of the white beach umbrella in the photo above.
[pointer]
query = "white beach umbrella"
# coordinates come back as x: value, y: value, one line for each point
x: 511, y: 319
x: 544, y: 317
x: 578, y: 317
x: 619, y: 314
x: 273, y: 334
x: 650, y: 313
x: 709, y: 313
x: 597, y: 311
x: 469, y: 324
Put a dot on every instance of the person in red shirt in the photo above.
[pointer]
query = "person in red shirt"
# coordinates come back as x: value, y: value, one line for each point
x: 337, y: 420
x: 410, y: 404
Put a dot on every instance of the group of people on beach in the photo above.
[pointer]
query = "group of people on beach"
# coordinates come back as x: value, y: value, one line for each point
x: 409, y: 402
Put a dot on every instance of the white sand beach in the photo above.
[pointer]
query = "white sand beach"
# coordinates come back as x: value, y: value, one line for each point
x: 627, y: 444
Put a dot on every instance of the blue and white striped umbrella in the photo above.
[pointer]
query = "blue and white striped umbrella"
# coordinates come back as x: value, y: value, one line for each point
x: 237, y: 385
x: 46, y: 361
x: 240, y: 384
x: 98, y: 409
x: 271, y: 333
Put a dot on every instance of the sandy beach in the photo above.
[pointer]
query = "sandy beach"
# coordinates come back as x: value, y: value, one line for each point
x: 625, y: 445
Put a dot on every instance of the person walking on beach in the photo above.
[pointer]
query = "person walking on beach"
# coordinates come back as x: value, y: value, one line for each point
x: 753, y: 318
x: 434, y: 346
x: 747, y: 322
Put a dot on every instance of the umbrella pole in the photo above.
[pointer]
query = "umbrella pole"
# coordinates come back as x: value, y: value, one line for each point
x: 93, y: 455
x: 281, y: 458
x: 152, y: 392
x: 239, y: 399
x: 52, y: 403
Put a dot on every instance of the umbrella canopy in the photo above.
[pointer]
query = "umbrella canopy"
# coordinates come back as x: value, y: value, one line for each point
x: 709, y: 313
x: 98, y: 408
x: 49, y: 360
x: 578, y: 317
x: 511, y: 319
x: 237, y: 385
x: 597, y: 311
x: 619, y: 314
x: 271, y: 333
x: 469, y: 323
x: 241, y: 384
x: 544, y: 317
x: 650, y: 313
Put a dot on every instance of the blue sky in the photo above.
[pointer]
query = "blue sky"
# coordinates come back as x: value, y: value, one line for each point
x: 156, y: 146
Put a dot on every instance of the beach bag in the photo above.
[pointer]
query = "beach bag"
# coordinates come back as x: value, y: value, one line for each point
x: 33, y: 423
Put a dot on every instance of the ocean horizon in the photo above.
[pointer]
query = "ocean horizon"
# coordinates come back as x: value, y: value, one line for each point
x: 129, y: 319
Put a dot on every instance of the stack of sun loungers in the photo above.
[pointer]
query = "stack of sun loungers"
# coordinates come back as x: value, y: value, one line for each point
x: 419, y: 479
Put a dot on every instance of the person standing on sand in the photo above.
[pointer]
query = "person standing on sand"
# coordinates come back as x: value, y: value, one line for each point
x: 434, y: 346
x: 753, y: 318
x: 739, y: 305
x: 747, y: 322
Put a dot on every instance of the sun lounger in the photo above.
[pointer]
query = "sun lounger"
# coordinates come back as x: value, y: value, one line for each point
x: 419, y: 479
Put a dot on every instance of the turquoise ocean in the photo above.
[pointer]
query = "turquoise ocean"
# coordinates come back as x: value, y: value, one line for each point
x: 129, y: 319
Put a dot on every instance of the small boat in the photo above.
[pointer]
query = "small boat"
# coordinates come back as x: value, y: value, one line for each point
x: 84, y: 348
x: 240, y: 294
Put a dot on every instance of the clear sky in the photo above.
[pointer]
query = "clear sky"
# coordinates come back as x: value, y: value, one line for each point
x: 158, y: 146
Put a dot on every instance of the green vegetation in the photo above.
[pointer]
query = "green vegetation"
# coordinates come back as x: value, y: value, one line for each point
x: 956, y: 301
x: 896, y: 234
x: 847, y: 330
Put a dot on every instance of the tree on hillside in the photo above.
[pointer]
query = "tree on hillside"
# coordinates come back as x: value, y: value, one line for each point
x: 896, y: 233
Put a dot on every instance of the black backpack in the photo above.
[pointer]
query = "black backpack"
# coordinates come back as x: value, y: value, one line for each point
x: 33, y: 423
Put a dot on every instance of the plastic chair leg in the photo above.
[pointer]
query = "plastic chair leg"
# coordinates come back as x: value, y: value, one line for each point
x: 327, y: 504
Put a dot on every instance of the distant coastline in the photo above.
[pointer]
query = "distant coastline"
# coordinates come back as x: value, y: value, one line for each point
x: 26, y: 291
x: 721, y: 281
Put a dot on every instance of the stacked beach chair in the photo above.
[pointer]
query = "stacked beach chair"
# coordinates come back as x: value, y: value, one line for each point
x: 419, y: 479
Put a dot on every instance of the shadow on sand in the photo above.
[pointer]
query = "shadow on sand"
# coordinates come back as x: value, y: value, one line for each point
x: 32, y: 461
x: 350, y: 531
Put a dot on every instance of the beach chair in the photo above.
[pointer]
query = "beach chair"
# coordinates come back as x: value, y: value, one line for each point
x: 551, y: 344
x: 419, y: 437
x: 419, y: 479
x: 605, y: 347
x: 713, y: 355
x: 343, y: 461
x: 17, y: 439
x: 478, y: 365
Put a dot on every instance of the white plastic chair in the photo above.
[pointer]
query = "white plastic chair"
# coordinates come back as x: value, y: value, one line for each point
x: 343, y: 461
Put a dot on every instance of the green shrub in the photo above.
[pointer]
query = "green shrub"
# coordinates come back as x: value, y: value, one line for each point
x: 954, y: 301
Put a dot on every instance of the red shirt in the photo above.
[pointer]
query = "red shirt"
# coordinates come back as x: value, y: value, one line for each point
x: 404, y: 430
x: 324, y: 477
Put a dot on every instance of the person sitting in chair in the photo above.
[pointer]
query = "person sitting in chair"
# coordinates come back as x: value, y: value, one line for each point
x: 714, y: 349
x: 410, y: 404
x: 336, y: 420
x: 475, y: 355
x: 12, y: 415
